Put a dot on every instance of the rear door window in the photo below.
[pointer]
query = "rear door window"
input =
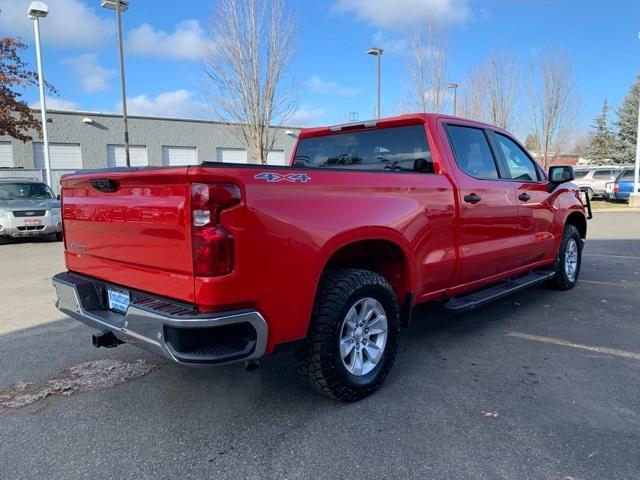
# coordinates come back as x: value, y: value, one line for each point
x: 581, y: 174
x: 472, y: 152
x: 628, y: 175
x: 604, y: 175
x: 398, y: 149
x: 520, y: 166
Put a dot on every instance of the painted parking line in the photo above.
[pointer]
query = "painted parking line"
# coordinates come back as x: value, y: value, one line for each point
x: 615, y: 284
x: 565, y: 343
x: 606, y: 255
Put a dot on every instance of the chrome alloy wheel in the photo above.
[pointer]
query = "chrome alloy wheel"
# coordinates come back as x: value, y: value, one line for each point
x: 571, y: 260
x: 363, y: 336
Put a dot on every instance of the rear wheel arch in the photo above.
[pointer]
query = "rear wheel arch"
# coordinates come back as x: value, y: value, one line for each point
x: 382, y: 256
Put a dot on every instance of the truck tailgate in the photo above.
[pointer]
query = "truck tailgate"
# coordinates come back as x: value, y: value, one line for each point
x: 132, y: 228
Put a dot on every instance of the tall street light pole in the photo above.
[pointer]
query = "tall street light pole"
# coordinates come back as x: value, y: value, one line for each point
x: 36, y: 11
x: 377, y: 52
x: 634, y: 198
x: 454, y: 86
x: 120, y: 6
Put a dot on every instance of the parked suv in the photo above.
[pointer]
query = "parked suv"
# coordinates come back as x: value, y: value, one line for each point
x: 28, y: 208
x: 622, y: 186
x: 595, y: 179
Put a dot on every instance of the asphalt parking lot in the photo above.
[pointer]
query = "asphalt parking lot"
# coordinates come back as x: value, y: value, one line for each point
x: 542, y: 385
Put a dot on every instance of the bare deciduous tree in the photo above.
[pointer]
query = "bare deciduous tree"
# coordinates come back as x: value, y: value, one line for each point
x: 554, y: 104
x: 251, y: 50
x: 427, y: 69
x: 491, y: 90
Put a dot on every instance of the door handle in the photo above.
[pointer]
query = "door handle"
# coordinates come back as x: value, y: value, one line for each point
x: 472, y: 198
x: 525, y: 197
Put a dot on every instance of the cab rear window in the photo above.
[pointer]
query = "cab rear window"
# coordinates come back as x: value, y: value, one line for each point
x: 398, y: 149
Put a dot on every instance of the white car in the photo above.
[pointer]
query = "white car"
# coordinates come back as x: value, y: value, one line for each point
x: 28, y: 208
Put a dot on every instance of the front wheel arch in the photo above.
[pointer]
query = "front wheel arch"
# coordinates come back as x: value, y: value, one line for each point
x: 578, y: 220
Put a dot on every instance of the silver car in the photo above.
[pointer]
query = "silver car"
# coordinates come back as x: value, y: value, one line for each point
x: 28, y: 208
x: 595, y: 179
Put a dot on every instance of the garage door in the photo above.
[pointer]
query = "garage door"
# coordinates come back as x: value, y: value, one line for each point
x: 6, y: 154
x: 276, y: 157
x: 175, y: 156
x: 64, y: 156
x: 231, y: 155
x: 117, y: 158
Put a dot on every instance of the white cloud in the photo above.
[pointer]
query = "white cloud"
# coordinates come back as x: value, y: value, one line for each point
x: 54, y: 103
x: 70, y: 23
x: 307, y: 115
x: 403, y: 13
x: 90, y: 74
x: 390, y: 44
x: 318, y: 85
x: 186, y: 42
x: 179, y: 103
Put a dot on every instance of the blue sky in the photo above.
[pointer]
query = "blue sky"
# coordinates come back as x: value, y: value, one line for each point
x: 164, y: 74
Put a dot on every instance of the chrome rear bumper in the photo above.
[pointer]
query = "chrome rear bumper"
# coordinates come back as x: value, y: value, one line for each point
x: 163, y: 328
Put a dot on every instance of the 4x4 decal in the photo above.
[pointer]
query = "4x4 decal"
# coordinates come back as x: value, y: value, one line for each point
x: 273, y: 177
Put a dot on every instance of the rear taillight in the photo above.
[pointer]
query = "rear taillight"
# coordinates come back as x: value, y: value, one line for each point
x: 212, y: 244
x: 616, y: 187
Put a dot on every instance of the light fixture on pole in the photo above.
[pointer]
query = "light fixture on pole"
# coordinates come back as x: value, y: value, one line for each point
x: 36, y: 11
x: 120, y: 6
x: 454, y: 86
x: 377, y: 52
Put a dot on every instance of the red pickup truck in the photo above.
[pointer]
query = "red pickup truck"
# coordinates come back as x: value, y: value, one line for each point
x: 217, y: 263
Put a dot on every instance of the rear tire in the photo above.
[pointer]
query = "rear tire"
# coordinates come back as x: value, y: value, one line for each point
x: 59, y: 237
x: 568, y: 260
x: 348, y: 351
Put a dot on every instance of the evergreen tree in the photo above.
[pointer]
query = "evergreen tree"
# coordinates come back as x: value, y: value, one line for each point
x: 602, y: 139
x: 625, y: 146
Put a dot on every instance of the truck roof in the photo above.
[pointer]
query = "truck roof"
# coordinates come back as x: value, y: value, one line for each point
x: 386, y: 122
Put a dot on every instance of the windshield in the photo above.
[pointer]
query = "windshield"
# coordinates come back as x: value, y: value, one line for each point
x: 12, y: 191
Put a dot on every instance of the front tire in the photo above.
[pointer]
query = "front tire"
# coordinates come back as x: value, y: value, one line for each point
x: 353, y: 336
x: 568, y: 260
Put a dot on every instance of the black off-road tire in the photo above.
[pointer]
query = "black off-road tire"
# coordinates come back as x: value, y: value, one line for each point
x: 561, y: 281
x: 319, y: 357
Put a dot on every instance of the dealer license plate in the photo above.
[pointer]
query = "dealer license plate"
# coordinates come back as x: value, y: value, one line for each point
x: 118, y: 300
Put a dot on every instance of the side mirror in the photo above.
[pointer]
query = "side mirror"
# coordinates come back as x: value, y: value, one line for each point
x: 561, y: 174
